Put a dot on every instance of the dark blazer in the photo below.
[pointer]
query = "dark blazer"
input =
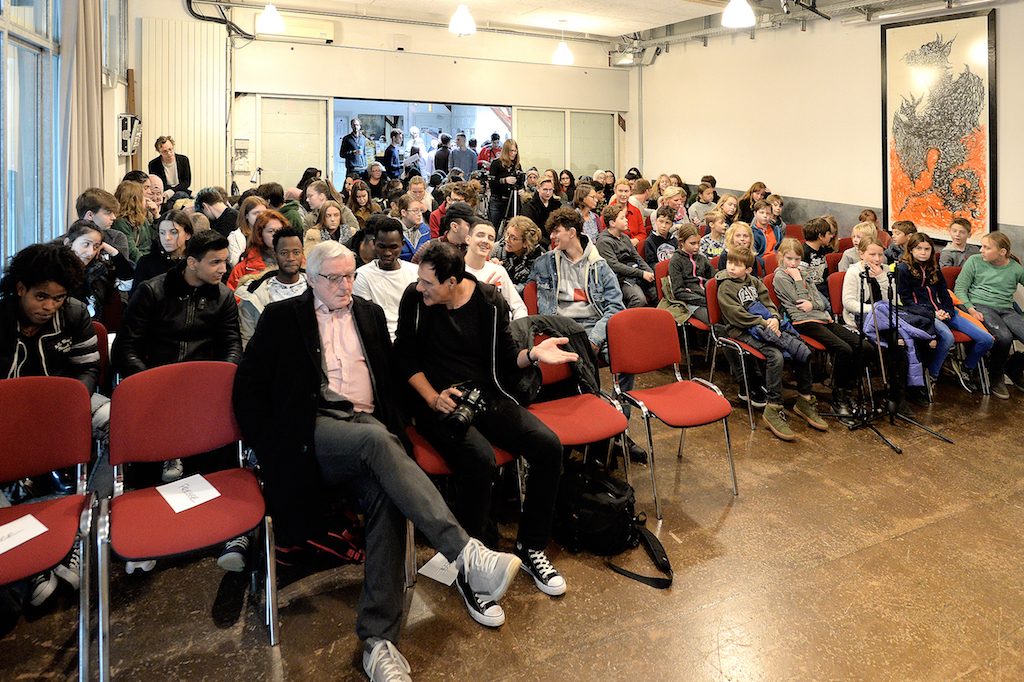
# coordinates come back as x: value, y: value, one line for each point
x: 156, y: 167
x: 277, y: 395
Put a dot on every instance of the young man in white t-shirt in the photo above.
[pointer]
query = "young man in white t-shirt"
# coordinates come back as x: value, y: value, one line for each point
x: 384, y: 279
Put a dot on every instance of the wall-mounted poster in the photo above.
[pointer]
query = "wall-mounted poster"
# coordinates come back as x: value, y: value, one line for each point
x: 938, y: 122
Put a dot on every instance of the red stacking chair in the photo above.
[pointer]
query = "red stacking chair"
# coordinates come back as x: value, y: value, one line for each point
x: 771, y: 262
x: 582, y: 418
x: 884, y: 238
x: 530, y: 297
x: 832, y: 261
x: 32, y: 451
x: 714, y: 262
x: 796, y: 232
x: 660, y: 271
x: 743, y: 349
x: 681, y: 404
x: 431, y: 461
x: 950, y: 273
x: 844, y: 244
x: 193, y: 401
x: 835, y: 294
x: 102, y: 341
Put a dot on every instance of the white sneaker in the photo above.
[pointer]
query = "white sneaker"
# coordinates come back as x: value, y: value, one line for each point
x: 232, y: 557
x: 536, y: 563
x: 385, y: 663
x: 144, y: 566
x: 67, y: 570
x: 482, y: 608
x: 43, y: 585
x: 487, y: 572
x: 172, y: 471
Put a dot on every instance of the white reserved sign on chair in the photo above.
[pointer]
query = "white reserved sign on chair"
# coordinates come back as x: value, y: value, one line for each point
x: 20, y: 531
x: 186, y: 493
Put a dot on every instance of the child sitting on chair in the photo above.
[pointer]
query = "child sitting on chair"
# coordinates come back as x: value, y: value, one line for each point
x: 811, y: 315
x: 712, y: 243
x: 957, y: 251
x: 688, y: 271
x: 741, y: 296
x: 852, y: 255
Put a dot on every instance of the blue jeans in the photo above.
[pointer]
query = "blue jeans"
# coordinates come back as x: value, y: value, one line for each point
x: 982, y: 341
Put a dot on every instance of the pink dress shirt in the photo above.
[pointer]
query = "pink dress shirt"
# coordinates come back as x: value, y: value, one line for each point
x: 348, y: 375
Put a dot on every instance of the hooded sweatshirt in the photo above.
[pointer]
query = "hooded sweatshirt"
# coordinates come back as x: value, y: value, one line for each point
x: 689, y: 276
x: 733, y: 297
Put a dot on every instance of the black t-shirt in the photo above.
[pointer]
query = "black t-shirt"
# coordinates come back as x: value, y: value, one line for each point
x: 456, y: 346
x: 32, y: 366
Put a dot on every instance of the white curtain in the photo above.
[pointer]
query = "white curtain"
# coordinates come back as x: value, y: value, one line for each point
x: 81, y: 109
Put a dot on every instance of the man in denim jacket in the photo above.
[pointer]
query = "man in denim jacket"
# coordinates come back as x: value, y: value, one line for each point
x: 574, y: 281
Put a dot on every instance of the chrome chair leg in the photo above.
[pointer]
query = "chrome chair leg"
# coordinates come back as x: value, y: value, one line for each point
x: 728, y: 450
x: 271, y: 581
x: 650, y: 463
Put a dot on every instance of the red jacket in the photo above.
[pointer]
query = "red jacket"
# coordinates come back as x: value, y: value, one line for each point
x: 435, y: 220
x: 250, y: 263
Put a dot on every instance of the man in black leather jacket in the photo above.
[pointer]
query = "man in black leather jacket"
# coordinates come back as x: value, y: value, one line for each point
x: 184, y: 314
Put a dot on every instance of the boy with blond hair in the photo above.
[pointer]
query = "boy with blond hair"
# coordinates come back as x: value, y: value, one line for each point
x: 852, y: 254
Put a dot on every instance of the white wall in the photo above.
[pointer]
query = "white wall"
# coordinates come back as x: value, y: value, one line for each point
x: 815, y: 98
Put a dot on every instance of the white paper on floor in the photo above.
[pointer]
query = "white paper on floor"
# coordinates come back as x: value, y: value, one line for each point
x: 440, y: 570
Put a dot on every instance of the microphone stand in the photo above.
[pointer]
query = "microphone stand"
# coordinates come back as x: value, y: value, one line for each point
x: 864, y: 413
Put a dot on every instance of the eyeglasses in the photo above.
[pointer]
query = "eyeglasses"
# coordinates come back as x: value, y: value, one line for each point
x: 335, y: 280
x: 513, y: 238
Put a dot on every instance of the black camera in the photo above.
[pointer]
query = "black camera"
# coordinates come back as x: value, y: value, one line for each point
x: 467, y: 407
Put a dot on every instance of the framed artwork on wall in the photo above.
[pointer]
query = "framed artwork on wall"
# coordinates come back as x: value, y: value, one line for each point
x: 938, y: 122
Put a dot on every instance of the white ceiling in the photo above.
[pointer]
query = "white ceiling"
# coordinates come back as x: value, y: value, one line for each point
x: 597, y: 17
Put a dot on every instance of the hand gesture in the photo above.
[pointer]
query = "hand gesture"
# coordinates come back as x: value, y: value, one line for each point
x: 108, y: 249
x: 772, y: 324
x: 794, y: 273
x: 975, y: 313
x: 804, y: 305
x: 549, y: 351
x: 648, y: 276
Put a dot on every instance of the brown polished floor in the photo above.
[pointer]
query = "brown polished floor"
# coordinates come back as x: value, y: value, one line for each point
x: 839, y: 560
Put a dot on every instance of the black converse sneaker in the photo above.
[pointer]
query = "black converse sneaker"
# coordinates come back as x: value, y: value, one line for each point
x: 481, y: 607
x: 535, y: 562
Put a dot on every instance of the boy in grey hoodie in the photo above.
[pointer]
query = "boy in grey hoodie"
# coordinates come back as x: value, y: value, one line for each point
x: 737, y: 290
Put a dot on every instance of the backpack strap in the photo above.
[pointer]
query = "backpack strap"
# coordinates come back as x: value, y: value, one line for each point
x: 656, y: 551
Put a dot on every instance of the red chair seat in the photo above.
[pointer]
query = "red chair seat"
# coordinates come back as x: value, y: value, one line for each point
x: 750, y: 349
x: 580, y: 419
x: 697, y: 324
x: 812, y: 343
x: 684, y: 404
x: 433, y: 463
x: 60, y: 516
x: 143, y: 525
x: 960, y: 337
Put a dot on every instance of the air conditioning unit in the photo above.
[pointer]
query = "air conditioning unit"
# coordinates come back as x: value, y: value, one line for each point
x: 317, y: 30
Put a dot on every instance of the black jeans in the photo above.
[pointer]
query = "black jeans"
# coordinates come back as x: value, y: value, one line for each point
x: 845, y: 344
x: 773, y: 370
x: 638, y: 293
x: 471, y: 457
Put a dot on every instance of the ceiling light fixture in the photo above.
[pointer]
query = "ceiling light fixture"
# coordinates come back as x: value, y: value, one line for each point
x: 269, y: 20
x: 563, y: 55
x: 461, y: 23
x: 738, y: 14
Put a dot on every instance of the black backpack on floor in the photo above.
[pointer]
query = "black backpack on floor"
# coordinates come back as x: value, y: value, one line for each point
x: 596, y: 513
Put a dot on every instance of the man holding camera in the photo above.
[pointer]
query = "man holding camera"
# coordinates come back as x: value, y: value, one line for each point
x: 327, y: 426
x: 455, y: 350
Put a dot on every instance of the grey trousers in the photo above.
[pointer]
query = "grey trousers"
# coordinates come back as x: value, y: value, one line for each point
x: 364, y: 456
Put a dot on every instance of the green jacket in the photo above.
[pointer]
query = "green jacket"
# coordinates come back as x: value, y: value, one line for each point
x: 293, y: 212
x: 139, y: 241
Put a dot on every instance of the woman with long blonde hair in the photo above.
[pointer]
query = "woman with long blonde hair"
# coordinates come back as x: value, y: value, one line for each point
x: 132, y: 219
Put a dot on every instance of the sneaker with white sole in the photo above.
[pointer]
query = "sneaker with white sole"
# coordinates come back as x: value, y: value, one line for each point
x: 144, y: 566
x: 385, y: 663
x: 67, y: 570
x: 43, y: 585
x: 173, y: 469
x: 486, y: 572
x: 232, y: 557
x: 536, y: 564
x: 482, y: 608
